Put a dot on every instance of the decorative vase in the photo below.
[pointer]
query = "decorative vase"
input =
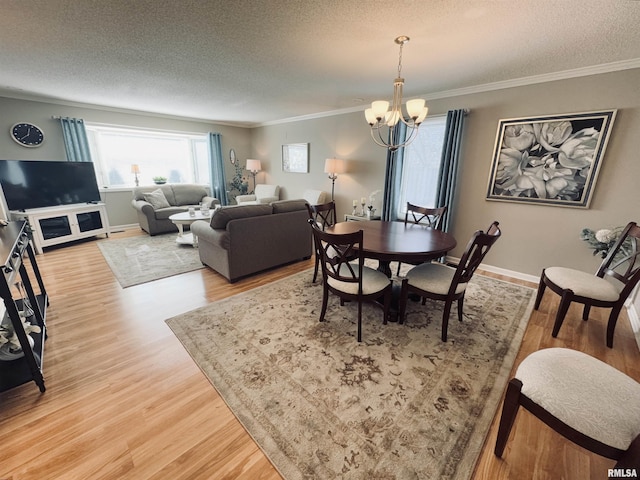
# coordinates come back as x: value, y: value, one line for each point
x: 7, y: 353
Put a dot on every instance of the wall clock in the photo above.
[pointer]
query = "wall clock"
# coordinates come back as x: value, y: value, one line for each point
x: 27, y: 134
x: 232, y: 156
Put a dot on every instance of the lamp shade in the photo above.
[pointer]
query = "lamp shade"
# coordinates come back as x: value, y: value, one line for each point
x: 253, y: 165
x: 135, y: 168
x: 334, y: 165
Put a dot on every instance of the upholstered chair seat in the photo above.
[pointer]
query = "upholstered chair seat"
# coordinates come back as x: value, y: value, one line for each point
x: 264, y: 193
x: 616, y: 278
x: 586, y: 400
x: 345, y: 275
x: 434, y: 277
x: 585, y: 284
x: 443, y: 283
x: 373, y: 281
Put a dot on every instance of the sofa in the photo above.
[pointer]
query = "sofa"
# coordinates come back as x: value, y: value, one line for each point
x: 263, y: 193
x: 244, y: 239
x: 155, y: 204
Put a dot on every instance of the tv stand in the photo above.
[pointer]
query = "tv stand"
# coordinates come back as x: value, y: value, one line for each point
x: 66, y: 223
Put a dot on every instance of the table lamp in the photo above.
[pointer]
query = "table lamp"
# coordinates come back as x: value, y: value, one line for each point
x: 135, y: 169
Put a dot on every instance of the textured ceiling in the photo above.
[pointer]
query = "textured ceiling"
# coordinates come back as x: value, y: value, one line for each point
x: 253, y: 61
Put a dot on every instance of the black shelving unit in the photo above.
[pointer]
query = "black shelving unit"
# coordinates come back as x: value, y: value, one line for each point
x: 15, y: 247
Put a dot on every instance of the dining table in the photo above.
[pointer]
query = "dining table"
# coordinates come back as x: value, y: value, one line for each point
x: 388, y: 241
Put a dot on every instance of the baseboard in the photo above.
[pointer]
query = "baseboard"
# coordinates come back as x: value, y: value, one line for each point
x: 502, y: 271
x: 634, y: 318
x: 635, y: 322
x: 122, y: 228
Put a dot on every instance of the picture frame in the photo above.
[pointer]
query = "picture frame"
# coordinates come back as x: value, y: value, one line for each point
x: 549, y: 159
x: 295, y: 158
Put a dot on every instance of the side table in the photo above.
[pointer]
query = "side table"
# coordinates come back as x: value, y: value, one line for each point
x: 357, y: 218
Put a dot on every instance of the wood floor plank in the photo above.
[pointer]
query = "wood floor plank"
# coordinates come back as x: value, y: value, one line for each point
x: 125, y: 401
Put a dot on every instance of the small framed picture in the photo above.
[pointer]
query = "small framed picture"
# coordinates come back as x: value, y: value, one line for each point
x: 295, y: 158
x: 549, y: 160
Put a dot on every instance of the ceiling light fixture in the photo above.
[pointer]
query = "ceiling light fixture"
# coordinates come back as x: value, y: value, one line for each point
x: 383, y: 119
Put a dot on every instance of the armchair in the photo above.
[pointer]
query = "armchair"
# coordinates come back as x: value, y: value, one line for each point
x: 263, y: 194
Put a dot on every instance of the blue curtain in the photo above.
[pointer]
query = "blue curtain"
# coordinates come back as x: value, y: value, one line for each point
x: 75, y: 139
x: 448, y: 176
x: 216, y: 167
x: 393, y: 177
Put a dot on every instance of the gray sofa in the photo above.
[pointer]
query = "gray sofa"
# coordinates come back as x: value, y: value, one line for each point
x: 153, y: 212
x: 245, y: 239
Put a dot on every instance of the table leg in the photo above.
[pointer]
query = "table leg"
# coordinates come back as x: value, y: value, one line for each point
x: 384, y: 267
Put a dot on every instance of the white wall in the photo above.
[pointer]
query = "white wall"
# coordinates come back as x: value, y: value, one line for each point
x: 534, y: 236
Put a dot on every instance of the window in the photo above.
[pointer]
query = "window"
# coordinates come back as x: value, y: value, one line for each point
x: 421, y: 165
x: 180, y: 157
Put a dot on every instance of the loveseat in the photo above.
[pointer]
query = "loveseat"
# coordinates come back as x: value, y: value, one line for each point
x: 244, y: 239
x: 155, y: 204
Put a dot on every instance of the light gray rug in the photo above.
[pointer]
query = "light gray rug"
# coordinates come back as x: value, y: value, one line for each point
x: 400, y: 405
x: 141, y: 259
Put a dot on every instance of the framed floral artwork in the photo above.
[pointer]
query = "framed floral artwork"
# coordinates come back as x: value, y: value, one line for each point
x: 295, y: 158
x: 550, y: 159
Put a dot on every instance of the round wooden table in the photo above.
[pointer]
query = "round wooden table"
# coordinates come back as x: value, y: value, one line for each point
x: 395, y: 241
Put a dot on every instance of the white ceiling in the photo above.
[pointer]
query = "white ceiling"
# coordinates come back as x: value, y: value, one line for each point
x: 253, y: 61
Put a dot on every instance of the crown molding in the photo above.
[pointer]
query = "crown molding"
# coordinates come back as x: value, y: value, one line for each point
x: 487, y: 87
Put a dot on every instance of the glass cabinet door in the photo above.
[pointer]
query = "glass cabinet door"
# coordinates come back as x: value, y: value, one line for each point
x: 55, y: 227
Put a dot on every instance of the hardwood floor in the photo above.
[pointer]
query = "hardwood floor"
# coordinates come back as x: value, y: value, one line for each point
x: 125, y: 401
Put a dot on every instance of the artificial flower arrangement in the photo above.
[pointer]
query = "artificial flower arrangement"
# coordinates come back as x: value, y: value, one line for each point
x: 9, y: 341
x: 601, y: 240
x: 372, y: 199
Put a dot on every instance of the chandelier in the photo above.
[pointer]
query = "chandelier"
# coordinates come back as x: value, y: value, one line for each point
x: 383, y: 119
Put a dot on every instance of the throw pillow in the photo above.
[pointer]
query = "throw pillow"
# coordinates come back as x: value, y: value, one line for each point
x: 157, y: 199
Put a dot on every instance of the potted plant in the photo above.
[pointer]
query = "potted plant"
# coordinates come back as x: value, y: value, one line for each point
x: 159, y: 180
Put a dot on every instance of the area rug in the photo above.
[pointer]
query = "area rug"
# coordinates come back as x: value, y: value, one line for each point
x: 141, y: 259
x: 400, y: 405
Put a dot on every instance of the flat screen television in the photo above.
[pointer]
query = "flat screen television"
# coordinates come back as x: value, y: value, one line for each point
x: 39, y: 183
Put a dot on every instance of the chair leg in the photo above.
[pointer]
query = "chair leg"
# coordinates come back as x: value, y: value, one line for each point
x: 630, y: 458
x: 611, y: 325
x: 445, y: 319
x: 398, y: 272
x: 359, y: 320
x: 585, y: 312
x: 315, y: 269
x: 460, y: 305
x: 325, y: 300
x: 541, y: 288
x: 387, y: 305
x: 404, y: 294
x: 509, y: 411
x: 565, y: 301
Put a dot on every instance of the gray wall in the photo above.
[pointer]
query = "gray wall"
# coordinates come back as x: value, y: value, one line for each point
x: 534, y: 236
x: 118, y: 201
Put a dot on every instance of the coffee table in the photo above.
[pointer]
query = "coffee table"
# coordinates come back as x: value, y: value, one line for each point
x: 184, y: 218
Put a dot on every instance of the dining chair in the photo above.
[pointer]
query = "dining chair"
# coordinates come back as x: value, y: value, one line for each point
x: 446, y: 283
x: 582, y: 398
x: 430, y: 217
x: 345, y: 275
x: 324, y: 215
x: 610, y: 287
